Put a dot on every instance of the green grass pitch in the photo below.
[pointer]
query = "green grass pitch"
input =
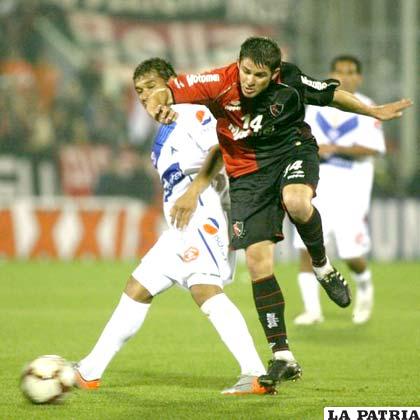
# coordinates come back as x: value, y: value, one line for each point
x: 176, y: 366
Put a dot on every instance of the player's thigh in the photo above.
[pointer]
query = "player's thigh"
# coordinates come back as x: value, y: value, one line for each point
x: 136, y: 291
x: 203, y: 292
x: 159, y: 267
x: 256, y: 211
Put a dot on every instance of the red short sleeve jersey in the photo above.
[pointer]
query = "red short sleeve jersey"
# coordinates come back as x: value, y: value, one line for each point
x: 254, y: 133
x: 220, y: 90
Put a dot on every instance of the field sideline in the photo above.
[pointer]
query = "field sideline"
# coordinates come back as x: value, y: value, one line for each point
x: 176, y: 366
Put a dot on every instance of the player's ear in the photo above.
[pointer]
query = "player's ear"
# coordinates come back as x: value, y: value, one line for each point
x: 275, y: 74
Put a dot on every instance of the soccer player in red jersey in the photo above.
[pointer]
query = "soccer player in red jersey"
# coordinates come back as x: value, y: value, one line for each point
x: 272, y: 161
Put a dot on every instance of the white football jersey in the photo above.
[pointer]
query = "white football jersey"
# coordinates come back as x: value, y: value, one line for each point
x: 332, y: 126
x: 353, y: 177
x: 180, y: 149
x: 199, y: 253
x: 344, y: 188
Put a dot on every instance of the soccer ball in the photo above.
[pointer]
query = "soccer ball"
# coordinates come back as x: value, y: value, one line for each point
x: 47, y: 379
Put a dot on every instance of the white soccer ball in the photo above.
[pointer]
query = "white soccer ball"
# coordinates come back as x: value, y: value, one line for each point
x: 47, y: 379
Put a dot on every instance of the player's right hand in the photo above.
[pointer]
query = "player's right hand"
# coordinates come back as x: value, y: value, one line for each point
x: 391, y: 110
x: 164, y: 114
x: 183, y: 209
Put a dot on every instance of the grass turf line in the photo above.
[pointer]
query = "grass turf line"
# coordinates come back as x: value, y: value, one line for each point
x: 176, y: 365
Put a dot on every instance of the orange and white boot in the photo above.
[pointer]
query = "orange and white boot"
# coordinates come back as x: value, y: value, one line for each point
x: 83, y: 383
x: 248, y: 384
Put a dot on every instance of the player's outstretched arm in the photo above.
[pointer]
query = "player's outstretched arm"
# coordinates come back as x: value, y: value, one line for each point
x: 355, y: 151
x: 346, y: 101
x: 184, y: 206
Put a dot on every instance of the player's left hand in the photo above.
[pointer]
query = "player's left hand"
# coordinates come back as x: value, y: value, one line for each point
x: 391, y: 110
x: 326, y: 150
x: 183, y: 209
x: 158, y: 105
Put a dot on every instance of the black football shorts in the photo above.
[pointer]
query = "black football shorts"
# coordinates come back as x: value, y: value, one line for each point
x: 256, y: 203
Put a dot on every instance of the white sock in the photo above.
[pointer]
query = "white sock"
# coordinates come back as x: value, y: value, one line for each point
x: 126, y: 320
x: 284, y: 355
x: 362, y: 280
x: 309, y: 289
x: 233, y: 331
x: 324, y: 270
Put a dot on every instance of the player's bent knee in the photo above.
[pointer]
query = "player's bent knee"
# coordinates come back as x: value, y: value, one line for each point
x: 202, y: 292
x: 299, y: 209
x: 137, y: 291
x: 258, y: 268
x: 297, y: 200
x: 260, y: 260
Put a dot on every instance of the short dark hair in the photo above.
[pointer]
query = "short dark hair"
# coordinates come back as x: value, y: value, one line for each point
x: 262, y: 51
x: 346, y: 57
x: 163, y: 68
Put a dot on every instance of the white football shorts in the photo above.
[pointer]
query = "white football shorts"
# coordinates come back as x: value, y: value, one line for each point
x: 197, y: 255
x: 344, y: 219
x: 351, y: 237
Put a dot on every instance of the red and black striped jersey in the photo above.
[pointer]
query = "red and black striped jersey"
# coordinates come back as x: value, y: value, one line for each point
x: 254, y: 133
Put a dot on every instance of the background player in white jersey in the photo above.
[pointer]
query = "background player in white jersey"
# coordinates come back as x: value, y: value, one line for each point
x: 347, y: 143
x: 196, y: 258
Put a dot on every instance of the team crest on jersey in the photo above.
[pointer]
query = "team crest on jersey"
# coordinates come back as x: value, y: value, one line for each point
x: 190, y: 254
x: 276, y: 109
x: 238, y: 229
x: 201, y: 117
x: 211, y: 227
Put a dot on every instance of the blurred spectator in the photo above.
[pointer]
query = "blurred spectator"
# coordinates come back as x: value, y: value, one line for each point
x: 48, y: 100
x: 14, y: 123
x: 130, y: 176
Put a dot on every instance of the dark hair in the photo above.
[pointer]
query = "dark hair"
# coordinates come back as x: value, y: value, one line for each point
x: 262, y: 51
x: 156, y: 64
x: 346, y: 57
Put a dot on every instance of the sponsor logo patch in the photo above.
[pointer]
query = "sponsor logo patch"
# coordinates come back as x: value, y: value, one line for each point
x: 201, y: 117
x: 233, y: 106
x: 315, y: 84
x: 192, y: 79
x: 171, y: 177
x: 190, y: 254
x: 178, y: 84
x: 211, y: 227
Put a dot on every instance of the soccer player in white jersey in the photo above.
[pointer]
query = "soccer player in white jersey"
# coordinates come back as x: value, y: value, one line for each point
x: 347, y: 146
x: 196, y: 258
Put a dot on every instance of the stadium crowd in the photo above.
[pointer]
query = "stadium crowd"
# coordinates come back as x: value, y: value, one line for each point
x: 45, y: 106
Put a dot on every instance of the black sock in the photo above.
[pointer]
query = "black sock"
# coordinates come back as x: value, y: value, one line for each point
x: 269, y: 302
x: 313, y: 238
